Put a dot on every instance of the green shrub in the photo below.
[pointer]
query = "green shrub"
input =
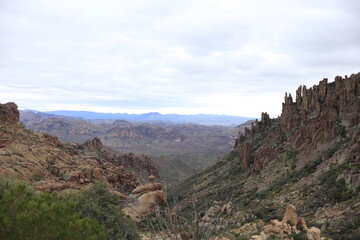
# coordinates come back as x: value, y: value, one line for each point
x: 299, y: 236
x: 103, y: 206
x: 25, y: 214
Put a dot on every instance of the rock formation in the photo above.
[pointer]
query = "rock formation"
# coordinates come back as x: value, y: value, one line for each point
x: 9, y: 113
x: 145, y: 200
x: 50, y: 165
x: 94, y: 143
x: 286, y: 229
x: 291, y: 224
x: 319, y: 115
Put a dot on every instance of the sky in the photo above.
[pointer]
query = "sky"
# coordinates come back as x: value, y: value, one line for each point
x: 232, y: 57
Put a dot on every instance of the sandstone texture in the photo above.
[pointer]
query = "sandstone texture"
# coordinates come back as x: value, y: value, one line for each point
x: 144, y: 200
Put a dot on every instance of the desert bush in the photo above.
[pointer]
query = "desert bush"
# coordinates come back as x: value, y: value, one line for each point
x: 103, y: 206
x: 299, y: 236
x: 26, y: 214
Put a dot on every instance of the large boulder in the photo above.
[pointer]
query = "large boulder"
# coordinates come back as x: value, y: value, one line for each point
x: 145, y: 199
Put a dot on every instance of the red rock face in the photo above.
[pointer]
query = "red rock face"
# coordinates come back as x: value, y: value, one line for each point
x: 319, y: 116
x: 318, y: 112
x: 245, y: 155
x: 9, y: 113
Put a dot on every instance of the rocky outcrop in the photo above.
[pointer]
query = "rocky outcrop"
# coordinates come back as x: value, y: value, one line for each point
x: 94, y: 143
x: 47, y: 164
x: 256, y: 127
x: 145, y: 200
x: 320, y: 115
x: 9, y: 113
x: 248, y: 158
x: 142, y: 163
x: 151, y: 186
x: 291, y: 224
x: 216, y: 216
x: 324, y: 104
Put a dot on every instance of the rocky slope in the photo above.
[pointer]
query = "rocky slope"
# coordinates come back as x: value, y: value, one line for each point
x: 50, y: 165
x: 309, y: 157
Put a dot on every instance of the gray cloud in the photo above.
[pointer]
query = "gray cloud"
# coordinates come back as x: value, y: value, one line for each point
x: 228, y: 57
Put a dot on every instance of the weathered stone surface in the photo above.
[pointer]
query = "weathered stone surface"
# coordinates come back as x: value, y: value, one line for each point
x: 97, y: 173
x: 94, y: 143
x: 319, y: 116
x: 9, y: 113
x: 119, y: 194
x: 290, y: 215
x: 152, y: 186
x: 145, y: 199
x: 291, y: 224
x: 244, y: 156
x: 326, y: 101
x: 73, y: 176
x: 50, y: 165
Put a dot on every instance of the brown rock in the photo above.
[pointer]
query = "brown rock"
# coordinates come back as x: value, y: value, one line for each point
x: 94, y: 143
x: 290, y: 215
x: 119, y: 194
x: 244, y: 155
x: 147, y: 187
x: 313, y: 233
x: 33, y: 157
x: 227, y: 208
x: 186, y: 236
x: 151, y: 178
x: 302, y: 224
x: 277, y: 228
x: 97, y: 173
x: 73, y: 176
x: 145, y: 204
x: 9, y: 113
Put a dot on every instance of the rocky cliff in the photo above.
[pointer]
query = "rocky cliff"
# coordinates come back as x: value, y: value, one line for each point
x: 308, y: 157
x: 318, y: 117
x: 50, y: 165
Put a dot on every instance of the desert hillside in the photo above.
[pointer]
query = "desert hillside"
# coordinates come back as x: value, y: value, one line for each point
x: 292, y: 177
x: 49, y: 164
x: 308, y: 157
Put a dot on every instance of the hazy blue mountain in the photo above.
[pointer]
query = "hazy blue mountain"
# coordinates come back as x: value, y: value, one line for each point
x: 204, y: 119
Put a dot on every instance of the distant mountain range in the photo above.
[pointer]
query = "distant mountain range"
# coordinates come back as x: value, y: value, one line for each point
x: 203, y: 119
x: 178, y: 149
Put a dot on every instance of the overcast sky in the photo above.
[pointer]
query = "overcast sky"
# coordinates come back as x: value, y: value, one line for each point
x: 224, y: 57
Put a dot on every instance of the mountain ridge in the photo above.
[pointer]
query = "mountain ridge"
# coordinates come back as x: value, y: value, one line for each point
x: 204, y: 119
x: 190, y: 147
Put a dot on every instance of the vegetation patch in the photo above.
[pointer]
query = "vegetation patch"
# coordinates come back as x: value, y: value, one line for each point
x: 26, y: 214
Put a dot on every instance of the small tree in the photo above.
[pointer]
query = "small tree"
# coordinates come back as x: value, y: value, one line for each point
x: 103, y: 206
x: 25, y: 214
